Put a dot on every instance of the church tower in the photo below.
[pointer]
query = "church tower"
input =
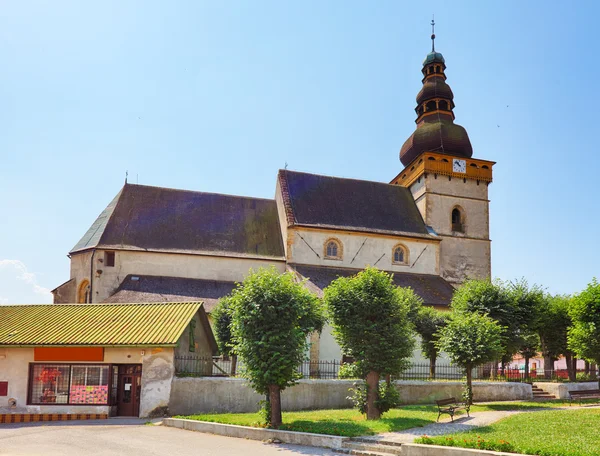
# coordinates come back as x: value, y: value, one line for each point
x: 449, y: 186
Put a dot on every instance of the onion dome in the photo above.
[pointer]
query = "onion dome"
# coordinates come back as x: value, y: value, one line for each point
x: 436, y: 130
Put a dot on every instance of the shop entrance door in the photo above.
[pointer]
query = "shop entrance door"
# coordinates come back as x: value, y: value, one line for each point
x: 129, y: 389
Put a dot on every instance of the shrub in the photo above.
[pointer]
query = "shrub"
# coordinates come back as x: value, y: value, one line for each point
x: 349, y: 370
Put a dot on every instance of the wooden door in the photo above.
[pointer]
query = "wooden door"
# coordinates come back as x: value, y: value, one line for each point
x: 129, y: 389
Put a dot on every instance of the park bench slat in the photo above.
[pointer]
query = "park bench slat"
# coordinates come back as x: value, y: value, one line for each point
x: 584, y: 394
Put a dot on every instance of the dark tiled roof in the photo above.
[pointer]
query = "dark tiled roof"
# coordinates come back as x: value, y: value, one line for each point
x: 92, y: 237
x: 433, y: 289
x: 161, y: 219
x: 334, y: 202
x: 143, y: 288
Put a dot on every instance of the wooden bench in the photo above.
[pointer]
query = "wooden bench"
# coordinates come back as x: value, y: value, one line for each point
x: 583, y: 394
x: 450, y: 406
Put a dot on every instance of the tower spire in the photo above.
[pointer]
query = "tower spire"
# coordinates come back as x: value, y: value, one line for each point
x: 433, y: 34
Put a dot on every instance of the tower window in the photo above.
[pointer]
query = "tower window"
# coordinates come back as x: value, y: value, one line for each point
x: 457, y: 220
x: 333, y: 249
x: 109, y: 259
x: 400, y: 254
x: 431, y: 106
x: 443, y: 104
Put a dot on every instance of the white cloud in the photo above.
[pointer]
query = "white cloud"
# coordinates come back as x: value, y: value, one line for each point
x: 16, y: 269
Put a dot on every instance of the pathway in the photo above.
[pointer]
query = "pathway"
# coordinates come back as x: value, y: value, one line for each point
x: 460, y: 424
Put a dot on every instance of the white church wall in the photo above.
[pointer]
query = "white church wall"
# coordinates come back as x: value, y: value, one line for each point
x: 329, y: 350
x: 161, y: 264
x: 377, y: 250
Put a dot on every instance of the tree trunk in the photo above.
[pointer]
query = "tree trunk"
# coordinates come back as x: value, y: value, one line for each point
x: 587, y: 368
x: 548, y: 367
x: 569, y: 362
x: 432, y: 362
x: 574, y: 369
x: 502, y: 368
x: 526, y: 368
x: 470, y: 385
x: 233, y: 365
x: 275, y: 400
x: 495, y: 369
x: 373, y: 412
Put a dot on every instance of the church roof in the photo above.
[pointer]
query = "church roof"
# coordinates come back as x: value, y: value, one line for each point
x: 351, y: 204
x: 433, y: 289
x: 162, y: 219
x: 145, y: 288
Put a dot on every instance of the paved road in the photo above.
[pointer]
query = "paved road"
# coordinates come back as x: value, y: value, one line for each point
x: 131, y: 438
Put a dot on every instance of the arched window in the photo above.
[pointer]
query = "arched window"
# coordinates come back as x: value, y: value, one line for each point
x: 431, y: 105
x: 457, y: 220
x: 399, y: 254
x: 83, y: 294
x: 443, y: 104
x: 333, y: 249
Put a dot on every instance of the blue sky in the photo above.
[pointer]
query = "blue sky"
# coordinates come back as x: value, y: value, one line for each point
x: 217, y: 96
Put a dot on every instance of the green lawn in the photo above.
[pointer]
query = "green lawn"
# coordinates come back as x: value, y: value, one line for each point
x: 545, y: 433
x: 346, y: 422
x: 350, y: 423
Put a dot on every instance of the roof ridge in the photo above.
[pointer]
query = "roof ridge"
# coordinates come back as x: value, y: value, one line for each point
x: 285, y: 196
x: 343, y: 178
x: 181, y: 190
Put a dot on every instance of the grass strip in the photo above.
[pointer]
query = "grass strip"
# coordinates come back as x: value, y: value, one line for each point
x: 544, y: 433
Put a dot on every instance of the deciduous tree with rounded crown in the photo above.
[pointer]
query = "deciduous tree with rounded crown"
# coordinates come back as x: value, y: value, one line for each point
x: 271, y: 316
x: 470, y: 339
x: 370, y: 318
x: 584, y: 335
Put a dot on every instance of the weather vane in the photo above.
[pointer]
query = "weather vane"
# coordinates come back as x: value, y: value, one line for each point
x: 433, y: 35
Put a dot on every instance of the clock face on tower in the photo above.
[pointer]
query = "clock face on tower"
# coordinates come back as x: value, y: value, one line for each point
x: 459, y: 166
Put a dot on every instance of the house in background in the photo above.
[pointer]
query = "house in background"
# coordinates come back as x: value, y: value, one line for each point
x: 429, y: 226
x: 72, y: 361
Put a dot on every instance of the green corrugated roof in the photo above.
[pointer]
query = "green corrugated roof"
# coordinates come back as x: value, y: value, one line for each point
x: 95, y: 324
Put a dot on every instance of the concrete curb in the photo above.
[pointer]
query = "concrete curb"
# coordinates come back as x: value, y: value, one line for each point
x: 416, y: 449
x: 244, y: 432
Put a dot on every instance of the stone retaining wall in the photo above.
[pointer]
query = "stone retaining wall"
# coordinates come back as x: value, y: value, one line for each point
x: 221, y: 395
x: 561, y: 390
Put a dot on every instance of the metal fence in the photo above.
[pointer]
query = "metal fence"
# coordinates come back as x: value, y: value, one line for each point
x: 194, y: 366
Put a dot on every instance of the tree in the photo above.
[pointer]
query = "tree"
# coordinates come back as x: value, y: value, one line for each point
x: 222, y: 321
x: 428, y: 323
x: 370, y: 319
x: 553, y: 323
x: 271, y: 316
x: 584, y: 335
x: 530, y: 345
x: 470, y: 339
x: 523, y: 337
x: 512, y: 306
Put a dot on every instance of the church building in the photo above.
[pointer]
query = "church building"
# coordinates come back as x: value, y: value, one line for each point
x: 429, y: 226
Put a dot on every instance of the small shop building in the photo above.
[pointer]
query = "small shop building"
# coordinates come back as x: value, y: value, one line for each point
x: 69, y: 361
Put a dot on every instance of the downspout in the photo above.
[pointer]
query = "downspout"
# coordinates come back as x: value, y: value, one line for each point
x: 92, y: 277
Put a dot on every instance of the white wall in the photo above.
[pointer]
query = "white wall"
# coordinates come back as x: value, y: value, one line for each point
x: 372, y: 250
x: 161, y: 264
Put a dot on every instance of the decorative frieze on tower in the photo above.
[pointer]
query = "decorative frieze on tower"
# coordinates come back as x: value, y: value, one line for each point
x: 449, y: 186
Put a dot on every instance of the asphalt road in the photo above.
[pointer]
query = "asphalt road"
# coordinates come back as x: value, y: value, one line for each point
x: 131, y: 438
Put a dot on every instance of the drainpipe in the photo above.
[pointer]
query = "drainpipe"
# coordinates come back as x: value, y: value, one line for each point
x: 92, y: 276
